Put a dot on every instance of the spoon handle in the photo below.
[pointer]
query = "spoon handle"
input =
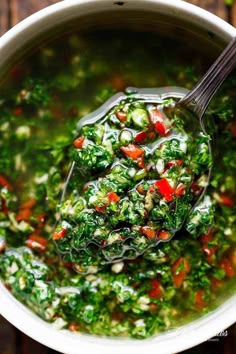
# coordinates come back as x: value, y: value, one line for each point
x: 199, y: 98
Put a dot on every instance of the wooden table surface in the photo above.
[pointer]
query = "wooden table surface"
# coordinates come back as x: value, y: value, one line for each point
x: 13, y: 341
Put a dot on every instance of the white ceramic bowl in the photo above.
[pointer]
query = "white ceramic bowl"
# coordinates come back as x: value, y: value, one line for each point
x: 174, y: 12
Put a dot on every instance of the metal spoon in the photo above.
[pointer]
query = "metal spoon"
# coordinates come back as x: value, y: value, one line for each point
x: 189, y: 103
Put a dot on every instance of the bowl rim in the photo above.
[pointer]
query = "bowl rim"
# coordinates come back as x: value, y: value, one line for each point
x: 24, y: 319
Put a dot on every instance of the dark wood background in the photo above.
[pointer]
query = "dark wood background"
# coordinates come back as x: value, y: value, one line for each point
x: 13, y: 341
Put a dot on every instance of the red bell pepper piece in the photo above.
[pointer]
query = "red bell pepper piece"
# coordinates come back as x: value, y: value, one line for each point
x: 174, y: 163
x: 180, y: 268
x: 113, y: 197
x: 141, y: 137
x: 148, y: 231
x: 59, y: 234
x: 199, y: 298
x: 140, y: 189
x: 209, y: 251
x: 155, y: 292
x: 226, y: 265
x: 122, y: 116
x: 161, y: 129
x: 78, y: 143
x: 164, y: 235
x: 132, y: 151
x: 179, y: 191
x: 226, y: 200
x: 36, y: 242
x: 156, y: 116
x: 165, y: 189
x: 4, y: 183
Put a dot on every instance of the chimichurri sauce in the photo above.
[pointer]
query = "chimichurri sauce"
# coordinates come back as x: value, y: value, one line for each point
x: 40, y: 104
x: 144, y: 174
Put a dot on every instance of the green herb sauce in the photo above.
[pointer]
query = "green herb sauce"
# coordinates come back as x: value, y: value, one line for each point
x: 41, y: 104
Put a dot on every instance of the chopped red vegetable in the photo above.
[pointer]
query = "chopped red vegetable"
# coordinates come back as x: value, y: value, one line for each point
x: 36, y: 242
x: 164, y: 235
x: 180, y: 189
x: 161, y: 129
x: 199, y: 298
x: 226, y: 200
x: 78, y: 143
x: 209, y: 251
x: 179, y: 269
x: 156, y: 291
x: 23, y: 214
x: 174, y: 163
x: 226, y: 265
x: 113, y: 197
x: 132, y: 151
x: 140, y: 189
x: 165, y: 189
x: 4, y: 183
x: 140, y: 137
x: 101, y: 209
x: 122, y: 116
x: 148, y: 231
x: 59, y: 234
x: 156, y: 116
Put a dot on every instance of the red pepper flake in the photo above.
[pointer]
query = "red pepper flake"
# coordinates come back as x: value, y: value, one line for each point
x: 209, y: 251
x: 122, y: 116
x: 59, y: 234
x: 174, y: 163
x: 140, y: 189
x: 180, y: 189
x: 36, y: 242
x: 149, y: 232
x: 155, y: 292
x: 25, y: 210
x: 4, y: 183
x: 113, y: 197
x: 132, y: 151
x: 4, y: 206
x: 153, y: 307
x: 161, y: 129
x: 69, y: 265
x: 141, y: 137
x: 103, y: 243
x: 29, y: 204
x: 179, y: 269
x: 164, y: 235
x: 78, y: 143
x: 23, y: 214
x: 41, y: 220
x: 73, y: 327
x: 156, y: 116
x: 195, y: 188
x: 101, y: 209
x: 151, y: 135
x: 165, y: 189
x: 151, y: 189
x: 141, y: 162
x: 216, y: 283
x: 206, y: 238
x: 199, y: 298
x: 226, y: 265
x: 226, y: 201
